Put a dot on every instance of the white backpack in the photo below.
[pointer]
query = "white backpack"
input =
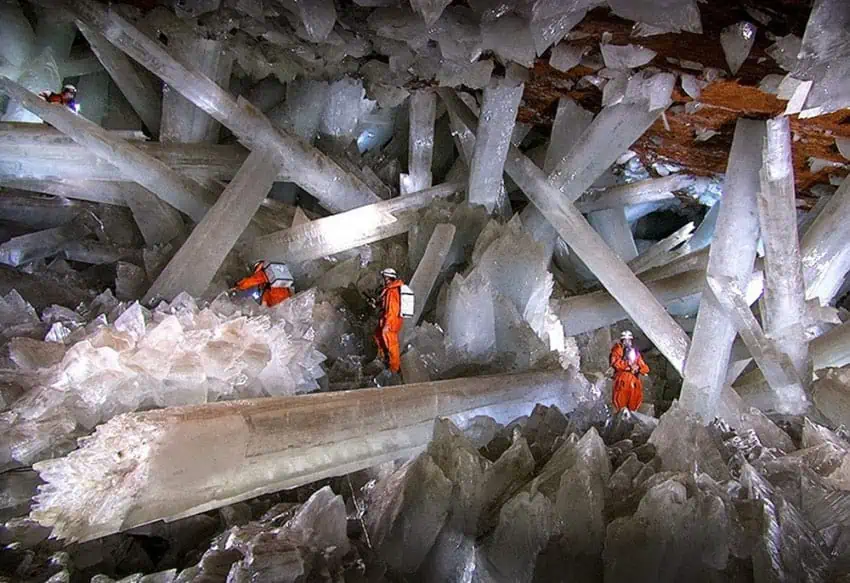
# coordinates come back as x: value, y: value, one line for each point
x: 408, y: 302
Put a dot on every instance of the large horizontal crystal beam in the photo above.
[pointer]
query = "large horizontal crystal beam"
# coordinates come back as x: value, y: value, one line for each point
x: 646, y: 311
x: 643, y: 191
x: 776, y: 366
x: 347, y: 230
x: 141, y: 90
x: 732, y: 254
x: 335, y: 189
x: 826, y: 248
x: 89, y: 190
x: 171, y: 463
x: 180, y: 192
x: 785, y: 309
x: 193, y: 267
x: 427, y: 272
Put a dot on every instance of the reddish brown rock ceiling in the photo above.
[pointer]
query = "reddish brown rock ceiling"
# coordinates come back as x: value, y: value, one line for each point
x: 723, y: 101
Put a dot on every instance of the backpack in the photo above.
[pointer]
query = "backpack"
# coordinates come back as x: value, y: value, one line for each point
x: 408, y: 302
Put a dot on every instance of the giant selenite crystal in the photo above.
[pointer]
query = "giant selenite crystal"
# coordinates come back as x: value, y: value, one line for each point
x: 732, y: 255
x: 423, y: 109
x: 498, y: 117
x: 273, y: 444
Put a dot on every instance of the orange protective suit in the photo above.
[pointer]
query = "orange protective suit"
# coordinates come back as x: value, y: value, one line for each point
x: 272, y: 296
x: 389, y: 325
x: 628, y: 388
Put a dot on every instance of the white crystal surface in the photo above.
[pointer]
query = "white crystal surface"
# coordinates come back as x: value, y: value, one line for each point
x: 565, y: 56
x: 737, y: 40
x: 626, y: 56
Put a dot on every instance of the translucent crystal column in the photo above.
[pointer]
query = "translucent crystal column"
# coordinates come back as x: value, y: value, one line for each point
x: 776, y: 366
x: 612, y: 226
x: 615, y: 275
x: 427, y: 272
x: 498, y: 115
x: 732, y: 254
x: 310, y: 169
x: 143, y: 467
x: 784, y: 305
x: 640, y: 192
x: 140, y: 89
x: 177, y: 190
x: 198, y: 259
x: 182, y: 121
x: 347, y: 230
x: 423, y: 110
x: 825, y: 247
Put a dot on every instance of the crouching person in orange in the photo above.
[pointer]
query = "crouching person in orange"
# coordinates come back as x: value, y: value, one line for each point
x: 269, y: 284
x: 390, y: 321
x: 627, y: 363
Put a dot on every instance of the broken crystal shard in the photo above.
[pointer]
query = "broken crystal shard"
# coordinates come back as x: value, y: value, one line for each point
x: 196, y: 262
x: 681, y: 441
x: 830, y: 394
x: 430, y: 10
x: 737, y: 41
x: 660, y: 252
x: 158, y: 222
x: 784, y: 51
x: 379, y: 425
x: 423, y: 109
x: 426, y: 274
x: 580, y: 500
x: 525, y: 525
x: 318, y: 17
x: 510, y: 38
x: 565, y: 56
x: 662, y: 15
x: 498, y: 115
x: 626, y: 56
x: 554, y: 21
x: 400, y: 524
x: 644, y: 309
x: 732, y: 254
x: 27, y: 248
x: 182, y: 121
x: 139, y: 87
x: 775, y: 364
x: 177, y: 190
x: 347, y: 230
x: 784, y: 309
x: 461, y: 464
x: 691, y: 86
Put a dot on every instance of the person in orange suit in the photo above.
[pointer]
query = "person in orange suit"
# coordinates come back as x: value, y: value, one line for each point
x: 68, y: 97
x: 390, y: 321
x: 628, y: 364
x: 260, y: 285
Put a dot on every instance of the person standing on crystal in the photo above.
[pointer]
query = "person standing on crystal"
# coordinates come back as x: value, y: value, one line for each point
x: 390, y: 320
x: 269, y: 284
x: 628, y: 364
x: 68, y: 97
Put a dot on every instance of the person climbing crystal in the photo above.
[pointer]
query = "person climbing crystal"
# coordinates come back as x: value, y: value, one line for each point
x: 628, y: 364
x: 269, y: 284
x: 390, y: 320
x: 68, y: 97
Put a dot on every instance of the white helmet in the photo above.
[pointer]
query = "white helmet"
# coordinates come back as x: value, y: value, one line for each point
x: 627, y: 335
x: 70, y: 88
x: 390, y: 272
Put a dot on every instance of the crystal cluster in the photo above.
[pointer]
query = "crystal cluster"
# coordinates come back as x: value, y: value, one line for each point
x: 121, y: 358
